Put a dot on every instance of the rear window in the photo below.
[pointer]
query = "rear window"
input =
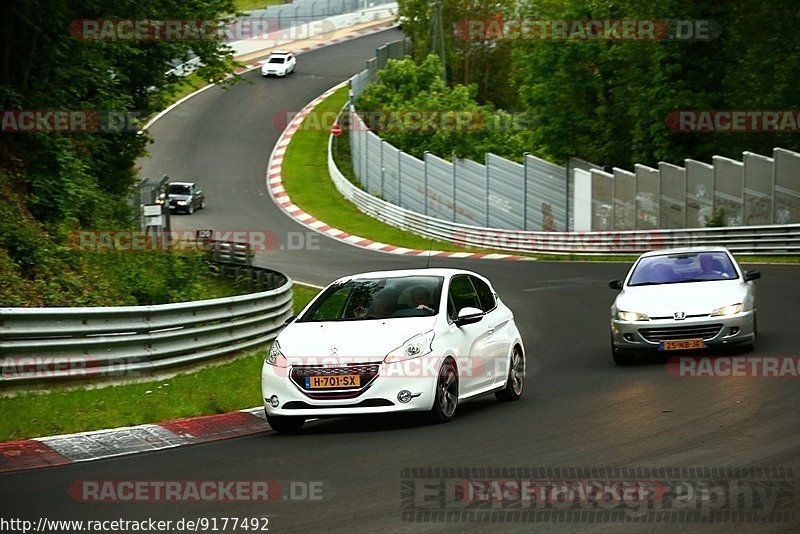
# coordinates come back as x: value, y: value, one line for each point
x: 277, y: 59
x: 176, y: 189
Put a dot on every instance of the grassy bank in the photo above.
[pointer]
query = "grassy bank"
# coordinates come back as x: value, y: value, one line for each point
x: 221, y: 388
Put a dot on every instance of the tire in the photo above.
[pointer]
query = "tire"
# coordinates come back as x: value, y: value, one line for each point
x: 516, y: 378
x: 285, y: 424
x: 622, y: 358
x: 203, y: 205
x: 190, y: 209
x: 445, y: 400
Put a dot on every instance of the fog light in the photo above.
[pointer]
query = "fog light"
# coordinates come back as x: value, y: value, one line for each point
x: 628, y: 337
x: 404, y: 396
x: 273, y: 401
x: 734, y: 330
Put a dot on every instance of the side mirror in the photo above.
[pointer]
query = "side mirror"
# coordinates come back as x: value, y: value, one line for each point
x: 615, y: 284
x: 468, y: 315
x: 290, y: 320
x: 751, y: 275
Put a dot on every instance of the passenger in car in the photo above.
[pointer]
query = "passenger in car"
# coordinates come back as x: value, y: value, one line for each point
x: 384, y: 303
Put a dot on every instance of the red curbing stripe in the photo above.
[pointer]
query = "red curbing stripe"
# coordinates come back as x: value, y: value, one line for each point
x: 216, y: 427
x: 29, y: 454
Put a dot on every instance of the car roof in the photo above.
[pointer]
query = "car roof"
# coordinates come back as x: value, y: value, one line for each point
x: 181, y: 183
x: 683, y: 250
x: 445, y: 272
x: 281, y: 53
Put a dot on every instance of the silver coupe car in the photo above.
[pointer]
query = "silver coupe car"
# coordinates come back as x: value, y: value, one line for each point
x: 682, y: 299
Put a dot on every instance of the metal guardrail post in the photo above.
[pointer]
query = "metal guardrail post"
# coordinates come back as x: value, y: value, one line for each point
x: 455, y: 188
x: 486, y: 170
x: 525, y: 190
x: 383, y: 170
x: 425, y: 179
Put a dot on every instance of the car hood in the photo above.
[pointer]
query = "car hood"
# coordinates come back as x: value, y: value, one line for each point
x: 365, y: 340
x: 692, y: 298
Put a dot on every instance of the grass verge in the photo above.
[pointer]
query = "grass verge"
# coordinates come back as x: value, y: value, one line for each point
x: 306, y: 180
x: 252, y: 5
x: 217, y: 389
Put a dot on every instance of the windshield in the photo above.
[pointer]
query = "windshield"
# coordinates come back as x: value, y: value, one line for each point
x: 377, y: 298
x: 679, y: 268
x: 280, y: 59
x: 179, y: 189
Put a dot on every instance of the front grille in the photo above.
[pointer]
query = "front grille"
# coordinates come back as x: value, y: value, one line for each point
x: 669, y: 333
x: 368, y: 403
x: 366, y: 371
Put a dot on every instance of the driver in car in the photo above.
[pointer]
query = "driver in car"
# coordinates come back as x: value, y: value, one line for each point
x: 421, y: 299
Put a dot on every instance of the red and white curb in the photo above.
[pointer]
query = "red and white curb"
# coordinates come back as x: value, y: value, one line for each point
x: 97, y: 444
x: 284, y: 202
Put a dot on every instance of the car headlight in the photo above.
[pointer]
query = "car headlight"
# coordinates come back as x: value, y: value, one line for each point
x: 159, y: 201
x: 733, y: 309
x: 183, y: 202
x: 631, y: 316
x: 417, y: 346
x: 275, y: 356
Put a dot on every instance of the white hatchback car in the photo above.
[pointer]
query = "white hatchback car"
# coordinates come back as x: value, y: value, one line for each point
x: 683, y: 299
x: 393, y: 341
x: 279, y: 63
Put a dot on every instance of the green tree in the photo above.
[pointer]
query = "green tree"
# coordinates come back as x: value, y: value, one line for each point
x: 404, y: 87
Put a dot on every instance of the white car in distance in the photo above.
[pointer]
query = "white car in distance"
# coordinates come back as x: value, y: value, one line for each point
x: 420, y: 340
x: 682, y: 299
x: 279, y: 63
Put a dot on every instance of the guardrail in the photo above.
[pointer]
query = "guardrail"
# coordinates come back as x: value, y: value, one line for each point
x: 755, y: 240
x: 45, y: 344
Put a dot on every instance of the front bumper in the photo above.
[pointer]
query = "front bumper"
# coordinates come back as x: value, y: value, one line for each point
x: 381, y: 395
x: 714, y: 331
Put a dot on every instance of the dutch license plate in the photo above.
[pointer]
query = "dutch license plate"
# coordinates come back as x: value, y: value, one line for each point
x: 341, y: 381
x: 682, y: 344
